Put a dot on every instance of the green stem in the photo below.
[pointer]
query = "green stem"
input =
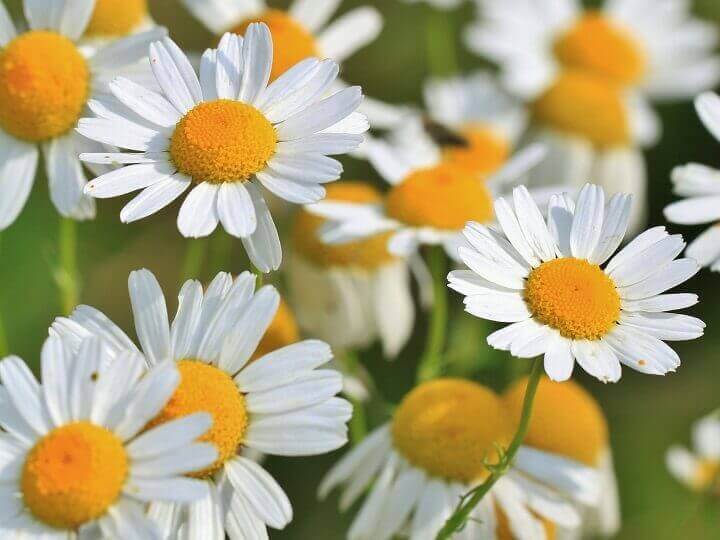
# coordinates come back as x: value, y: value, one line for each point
x: 220, y: 252
x: 194, y: 257
x: 440, y: 42
x: 3, y: 335
x: 431, y: 362
x: 68, y: 279
x: 471, y: 499
x: 358, y: 422
x: 260, y: 277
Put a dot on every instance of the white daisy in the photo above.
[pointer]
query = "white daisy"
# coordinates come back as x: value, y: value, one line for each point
x: 75, y: 455
x: 701, y: 184
x: 278, y: 404
x: 547, y: 281
x: 418, y: 472
x: 46, y: 80
x: 350, y: 294
x: 699, y: 469
x: 434, y: 190
x: 226, y: 132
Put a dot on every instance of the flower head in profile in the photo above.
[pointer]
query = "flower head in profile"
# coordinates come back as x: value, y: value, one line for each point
x: 565, y: 294
x: 278, y: 404
x: 699, y: 468
x: 439, y: 444
x: 46, y: 82
x: 77, y: 454
x: 225, y: 134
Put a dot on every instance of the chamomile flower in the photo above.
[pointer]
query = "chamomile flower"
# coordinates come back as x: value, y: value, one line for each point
x: 224, y: 134
x: 113, y: 19
x: 567, y: 421
x: 431, y: 196
x: 278, y: 404
x: 350, y: 294
x: 76, y: 455
x: 46, y: 80
x: 701, y: 184
x: 699, y: 469
x: 551, y: 281
x: 433, y: 451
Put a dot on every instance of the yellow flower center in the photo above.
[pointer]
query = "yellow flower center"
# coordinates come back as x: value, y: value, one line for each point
x: 444, y: 197
x: 73, y: 475
x: 368, y: 253
x: 116, y: 18
x: 292, y: 42
x: 585, y: 105
x: 573, y: 296
x: 222, y: 141
x: 450, y: 428
x: 707, y: 477
x: 597, y: 45
x: 283, y: 331
x: 566, y: 420
x: 484, y: 154
x: 205, y: 388
x: 44, y: 84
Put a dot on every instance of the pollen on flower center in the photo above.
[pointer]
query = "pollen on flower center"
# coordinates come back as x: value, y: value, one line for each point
x: 73, y: 475
x: 368, y: 253
x: 292, y: 42
x: 486, y: 151
x: 444, y: 197
x: 44, y: 85
x: 597, y: 45
x: 222, y: 141
x: 450, y: 428
x: 206, y: 388
x: 116, y: 18
x: 573, y: 296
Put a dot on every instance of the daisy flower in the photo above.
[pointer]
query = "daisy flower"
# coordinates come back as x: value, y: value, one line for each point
x: 699, y: 469
x: 350, y: 294
x: 76, y: 455
x: 278, y: 404
x: 113, y: 19
x: 567, y: 421
x: 224, y: 134
x: 700, y: 184
x: 418, y: 472
x: 551, y: 281
x: 46, y: 80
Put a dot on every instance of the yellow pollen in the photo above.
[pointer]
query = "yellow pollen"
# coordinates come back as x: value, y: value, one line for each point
x: 292, y: 42
x: 573, y: 296
x: 444, y: 197
x: 485, y: 153
x: 368, y: 253
x: 44, y: 84
x: 597, y: 45
x: 222, y: 141
x: 566, y: 420
x: 585, y: 105
x: 116, y: 18
x: 450, y: 428
x: 283, y: 331
x: 206, y: 388
x: 73, y: 475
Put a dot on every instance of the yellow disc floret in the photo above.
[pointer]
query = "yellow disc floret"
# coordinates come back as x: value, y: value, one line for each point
x: 450, y: 428
x: 116, y: 18
x: 44, y: 85
x: 444, y: 197
x: 566, y: 420
x: 206, y: 388
x: 598, y: 45
x: 222, y: 141
x: 292, y: 42
x: 573, y: 296
x: 73, y: 475
x: 486, y: 151
x: 368, y: 253
x: 283, y: 331
x: 585, y: 105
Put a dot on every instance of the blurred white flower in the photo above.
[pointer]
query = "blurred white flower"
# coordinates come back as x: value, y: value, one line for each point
x: 699, y: 469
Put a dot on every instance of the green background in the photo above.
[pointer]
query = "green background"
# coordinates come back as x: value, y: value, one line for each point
x: 646, y: 414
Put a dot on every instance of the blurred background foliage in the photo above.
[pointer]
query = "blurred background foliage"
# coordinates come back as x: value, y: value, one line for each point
x: 645, y: 414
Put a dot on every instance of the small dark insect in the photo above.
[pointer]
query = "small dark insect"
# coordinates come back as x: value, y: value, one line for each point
x: 444, y: 136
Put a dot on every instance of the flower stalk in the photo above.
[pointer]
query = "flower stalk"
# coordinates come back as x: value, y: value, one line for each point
x: 431, y: 363
x: 68, y: 277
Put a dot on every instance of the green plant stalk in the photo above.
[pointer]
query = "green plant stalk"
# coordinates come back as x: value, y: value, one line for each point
x: 68, y: 277
x: 3, y: 335
x: 194, y: 257
x: 440, y: 42
x: 220, y: 252
x: 471, y: 499
x: 431, y: 362
x: 358, y: 422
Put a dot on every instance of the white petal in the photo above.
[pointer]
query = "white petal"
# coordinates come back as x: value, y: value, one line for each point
x: 614, y: 228
x: 645, y: 263
x: 127, y: 179
x: 154, y: 198
x: 312, y: 14
x: 638, y: 245
x: 150, y: 313
x: 315, y: 387
x: 707, y: 106
x: 291, y: 190
x: 126, y: 51
x: 18, y: 163
x: 642, y: 352
x: 587, y: 221
x: 150, y: 105
x: 7, y: 28
x: 24, y: 393
x: 597, y: 359
x: 663, y: 302
x: 228, y: 67
x: 350, y: 32
x: 65, y: 174
x: 665, y: 326
x: 236, y: 210
x: 169, y: 436
x: 667, y: 277
x: 694, y: 211
x: 533, y: 225
x: 320, y: 115
x: 559, y: 360
x: 263, y: 246
x: 184, y: 325
x: 175, y: 75
x: 185, y: 459
x: 178, y: 489
x: 257, y: 62
x: 122, y: 134
x: 198, y: 216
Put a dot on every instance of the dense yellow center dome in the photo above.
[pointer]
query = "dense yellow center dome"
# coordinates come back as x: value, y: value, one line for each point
x: 116, y: 18
x: 486, y: 151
